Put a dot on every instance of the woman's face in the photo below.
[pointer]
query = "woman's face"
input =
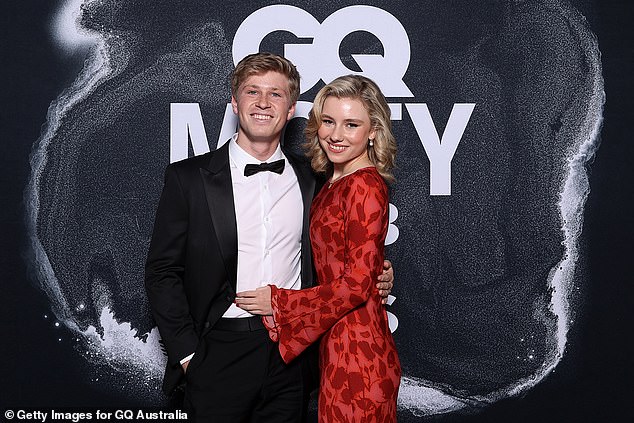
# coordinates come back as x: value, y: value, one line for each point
x: 344, y: 132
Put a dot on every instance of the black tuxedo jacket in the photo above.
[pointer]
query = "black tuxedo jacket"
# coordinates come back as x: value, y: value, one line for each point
x: 190, y: 273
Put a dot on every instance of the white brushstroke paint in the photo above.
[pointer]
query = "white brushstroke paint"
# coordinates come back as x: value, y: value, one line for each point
x: 69, y: 35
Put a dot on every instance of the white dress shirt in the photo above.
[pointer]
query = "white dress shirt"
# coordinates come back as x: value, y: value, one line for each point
x: 269, y: 211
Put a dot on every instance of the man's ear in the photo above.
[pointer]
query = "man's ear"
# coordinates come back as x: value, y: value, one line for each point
x: 291, y: 112
x: 234, y: 104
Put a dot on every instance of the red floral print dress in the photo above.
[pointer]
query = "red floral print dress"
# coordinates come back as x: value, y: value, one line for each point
x: 360, y: 369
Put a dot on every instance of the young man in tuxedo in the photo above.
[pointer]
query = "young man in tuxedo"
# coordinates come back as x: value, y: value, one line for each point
x: 228, y: 221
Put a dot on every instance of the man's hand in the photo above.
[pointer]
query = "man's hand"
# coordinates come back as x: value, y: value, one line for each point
x: 256, y: 302
x: 386, y: 281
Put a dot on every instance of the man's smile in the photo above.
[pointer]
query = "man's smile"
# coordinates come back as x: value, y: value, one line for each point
x: 258, y: 116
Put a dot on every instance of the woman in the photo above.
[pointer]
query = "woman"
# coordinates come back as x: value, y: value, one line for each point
x: 350, y: 140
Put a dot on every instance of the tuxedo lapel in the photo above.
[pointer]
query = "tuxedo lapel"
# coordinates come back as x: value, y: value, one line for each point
x: 219, y: 194
x: 306, y: 181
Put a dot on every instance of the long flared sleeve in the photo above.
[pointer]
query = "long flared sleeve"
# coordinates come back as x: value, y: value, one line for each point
x: 348, y: 235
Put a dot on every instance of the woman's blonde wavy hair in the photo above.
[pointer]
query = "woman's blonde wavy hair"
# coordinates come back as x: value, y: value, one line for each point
x: 383, y: 153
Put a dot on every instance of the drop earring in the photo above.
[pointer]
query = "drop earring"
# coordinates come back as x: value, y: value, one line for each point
x: 371, y: 142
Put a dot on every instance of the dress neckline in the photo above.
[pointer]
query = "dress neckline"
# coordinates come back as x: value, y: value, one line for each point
x: 331, y: 182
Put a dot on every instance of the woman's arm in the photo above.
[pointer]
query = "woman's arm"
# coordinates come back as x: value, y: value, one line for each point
x: 301, y: 317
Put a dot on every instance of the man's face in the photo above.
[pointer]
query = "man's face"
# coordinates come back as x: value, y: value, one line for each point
x: 263, y: 106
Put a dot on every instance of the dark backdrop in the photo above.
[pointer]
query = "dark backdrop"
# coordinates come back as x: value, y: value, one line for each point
x: 593, y: 382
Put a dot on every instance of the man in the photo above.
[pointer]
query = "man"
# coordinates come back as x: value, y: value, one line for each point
x: 228, y: 223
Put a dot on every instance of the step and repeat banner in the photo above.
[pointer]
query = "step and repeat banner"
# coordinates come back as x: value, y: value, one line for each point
x: 497, y: 110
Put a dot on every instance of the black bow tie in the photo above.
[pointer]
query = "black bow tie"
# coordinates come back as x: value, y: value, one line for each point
x: 252, y: 169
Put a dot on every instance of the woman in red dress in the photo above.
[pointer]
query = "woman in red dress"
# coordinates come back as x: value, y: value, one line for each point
x: 350, y: 139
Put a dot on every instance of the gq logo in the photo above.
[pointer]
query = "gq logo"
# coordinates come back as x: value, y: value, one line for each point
x: 320, y: 60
